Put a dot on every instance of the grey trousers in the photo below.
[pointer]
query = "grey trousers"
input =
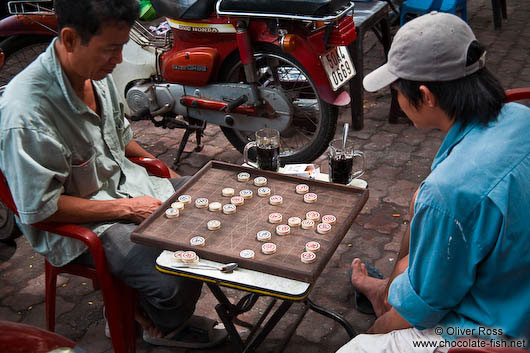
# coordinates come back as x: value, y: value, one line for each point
x: 168, y: 300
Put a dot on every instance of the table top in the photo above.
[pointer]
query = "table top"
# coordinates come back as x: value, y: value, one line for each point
x: 240, y: 278
x: 238, y: 231
x: 365, y: 11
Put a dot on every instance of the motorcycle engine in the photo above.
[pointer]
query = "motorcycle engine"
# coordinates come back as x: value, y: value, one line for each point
x: 138, y: 98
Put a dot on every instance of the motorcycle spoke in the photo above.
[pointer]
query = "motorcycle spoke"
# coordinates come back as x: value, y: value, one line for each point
x: 286, y: 150
x: 308, y: 114
x: 302, y: 138
x: 297, y: 89
x: 308, y: 119
x: 289, y: 144
x: 296, y: 83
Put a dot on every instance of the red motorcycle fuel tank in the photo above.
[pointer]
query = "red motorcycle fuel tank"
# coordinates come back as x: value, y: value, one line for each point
x: 194, y: 36
x: 193, y: 66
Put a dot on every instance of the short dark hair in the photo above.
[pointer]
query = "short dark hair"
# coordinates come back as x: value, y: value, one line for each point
x: 88, y: 16
x: 475, y: 98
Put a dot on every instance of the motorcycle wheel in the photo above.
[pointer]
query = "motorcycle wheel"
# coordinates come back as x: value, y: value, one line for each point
x: 314, y: 120
x: 19, y: 52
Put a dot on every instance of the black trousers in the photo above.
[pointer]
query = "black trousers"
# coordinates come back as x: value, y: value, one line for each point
x: 168, y: 300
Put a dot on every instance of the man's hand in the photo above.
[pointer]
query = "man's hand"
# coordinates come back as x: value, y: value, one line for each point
x: 139, y: 208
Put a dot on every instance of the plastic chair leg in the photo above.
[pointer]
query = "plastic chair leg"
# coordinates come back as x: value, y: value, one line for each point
x: 119, y: 299
x: 51, y: 284
x: 120, y: 303
x: 402, y: 17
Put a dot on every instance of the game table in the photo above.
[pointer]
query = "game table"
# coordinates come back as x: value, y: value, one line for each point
x: 280, y: 276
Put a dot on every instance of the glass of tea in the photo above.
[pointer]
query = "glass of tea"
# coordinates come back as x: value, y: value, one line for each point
x: 267, y: 145
x: 341, y: 162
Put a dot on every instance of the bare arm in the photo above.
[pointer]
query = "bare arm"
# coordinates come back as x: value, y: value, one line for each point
x: 133, y: 149
x: 78, y: 210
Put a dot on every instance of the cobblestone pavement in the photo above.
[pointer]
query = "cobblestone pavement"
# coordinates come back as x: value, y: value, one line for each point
x: 398, y: 158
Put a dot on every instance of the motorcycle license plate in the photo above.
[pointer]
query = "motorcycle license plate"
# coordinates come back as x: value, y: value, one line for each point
x: 338, y: 66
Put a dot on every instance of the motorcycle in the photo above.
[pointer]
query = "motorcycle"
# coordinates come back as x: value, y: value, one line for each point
x: 241, y: 65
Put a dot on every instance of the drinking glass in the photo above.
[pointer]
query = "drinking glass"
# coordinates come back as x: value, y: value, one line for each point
x: 267, y: 145
x: 341, y: 162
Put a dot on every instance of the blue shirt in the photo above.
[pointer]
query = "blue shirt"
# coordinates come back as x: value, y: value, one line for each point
x: 469, y: 260
x: 52, y: 144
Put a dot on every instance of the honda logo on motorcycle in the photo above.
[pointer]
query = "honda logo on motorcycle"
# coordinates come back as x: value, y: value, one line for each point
x: 199, y: 68
x: 202, y: 27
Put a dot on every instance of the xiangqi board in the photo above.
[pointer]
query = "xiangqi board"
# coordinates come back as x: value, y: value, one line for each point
x: 238, y: 231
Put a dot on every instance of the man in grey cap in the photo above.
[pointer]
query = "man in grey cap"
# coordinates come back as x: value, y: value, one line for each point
x: 462, y: 273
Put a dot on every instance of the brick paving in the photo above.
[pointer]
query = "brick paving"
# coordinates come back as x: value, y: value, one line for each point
x: 398, y: 158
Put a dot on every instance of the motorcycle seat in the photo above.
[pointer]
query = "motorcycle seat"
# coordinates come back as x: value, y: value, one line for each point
x: 184, y: 9
x: 313, y: 8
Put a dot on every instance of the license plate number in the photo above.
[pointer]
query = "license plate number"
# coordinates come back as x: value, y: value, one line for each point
x: 338, y: 66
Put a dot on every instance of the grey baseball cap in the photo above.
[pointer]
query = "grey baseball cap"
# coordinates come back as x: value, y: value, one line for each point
x: 430, y: 48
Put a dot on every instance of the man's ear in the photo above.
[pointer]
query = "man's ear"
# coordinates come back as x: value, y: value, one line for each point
x: 427, y: 96
x: 69, y: 38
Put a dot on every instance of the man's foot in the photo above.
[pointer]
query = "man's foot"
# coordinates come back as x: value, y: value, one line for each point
x: 373, y: 288
x: 146, y: 323
x: 197, y: 332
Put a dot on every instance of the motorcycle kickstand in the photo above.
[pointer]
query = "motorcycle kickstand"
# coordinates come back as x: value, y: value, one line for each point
x: 198, y: 134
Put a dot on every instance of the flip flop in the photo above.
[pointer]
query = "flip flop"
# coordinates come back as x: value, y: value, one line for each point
x: 198, y: 332
x: 361, y: 302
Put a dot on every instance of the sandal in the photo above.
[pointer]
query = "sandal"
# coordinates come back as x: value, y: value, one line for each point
x: 197, y: 332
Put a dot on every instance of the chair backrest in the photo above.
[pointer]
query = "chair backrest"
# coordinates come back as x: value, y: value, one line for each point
x: 435, y: 5
x: 5, y: 194
x: 517, y: 94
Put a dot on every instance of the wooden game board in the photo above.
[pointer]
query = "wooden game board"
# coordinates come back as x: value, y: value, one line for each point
x: 238, y: 231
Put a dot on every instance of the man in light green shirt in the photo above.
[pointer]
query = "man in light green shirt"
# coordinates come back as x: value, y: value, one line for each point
x: 64, y: 148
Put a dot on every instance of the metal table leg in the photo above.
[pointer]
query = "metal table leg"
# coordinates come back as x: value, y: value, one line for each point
x: 271, y: 323
x: 332, y: 315
x: 228, y: 314
x: 308, y: 304
x: 356, y: 83
x: 292, y: 330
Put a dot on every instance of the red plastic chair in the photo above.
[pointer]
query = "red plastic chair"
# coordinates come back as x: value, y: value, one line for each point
x: 517, y: 94
x: 119, y: 299
x: 21, y: 338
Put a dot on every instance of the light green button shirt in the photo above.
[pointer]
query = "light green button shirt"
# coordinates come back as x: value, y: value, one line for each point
x: 51, y: 144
